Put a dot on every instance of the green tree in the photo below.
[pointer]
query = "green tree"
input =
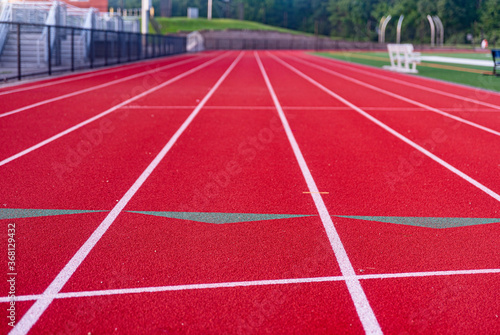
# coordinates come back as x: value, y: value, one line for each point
x: 490, y: 20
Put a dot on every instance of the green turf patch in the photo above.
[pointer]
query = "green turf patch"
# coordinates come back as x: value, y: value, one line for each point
x: 178, y: 24
x: 456, y: 75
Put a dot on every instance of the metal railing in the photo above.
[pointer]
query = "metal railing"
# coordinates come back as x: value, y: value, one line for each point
x: 73, y: 48
x: 5, y: 15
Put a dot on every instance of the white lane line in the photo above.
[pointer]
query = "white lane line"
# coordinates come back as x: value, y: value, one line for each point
x: 421, y: 87
x: 94, y: 73
x: 39, y: 307
x: 363, y: 308
x: 171, y: 288
x: 93, y: 88
x: 321, y: 108
x: 397, y: 96
x: 393, y: 132
x: 206, y: 107
x: 106, y: 112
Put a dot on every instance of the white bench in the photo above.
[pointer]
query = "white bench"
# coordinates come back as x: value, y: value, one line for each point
x: 402, y: 56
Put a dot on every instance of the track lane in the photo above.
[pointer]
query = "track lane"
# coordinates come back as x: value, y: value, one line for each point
x: 430, y: 84
x: 31, y: 317
x: 217, y: 140
x: 132, y: 94
x: 463, y: 146
x: 275, y: 309
x: 51, y: 118
x: 295, y: 307
x: 98, y: 180
x: 459, y: 305
x: 72, y: 93
x: 184, y: 251
x: 350, y: 157
x: 51, y: 87
x: 470, y: 102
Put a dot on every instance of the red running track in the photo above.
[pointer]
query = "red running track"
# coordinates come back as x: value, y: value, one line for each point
x: 164, y: 168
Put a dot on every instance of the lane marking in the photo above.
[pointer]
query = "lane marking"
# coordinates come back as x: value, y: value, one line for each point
x: 19, y: 213
x: 93, y: 88
x: 206, y: 217
x: 106, y: 112
x: 397, y: 96
x: 421, y: 87
x: 363, y: 308
x: 321, y: 108
x: 43, y: 302
x: 392, y: 131
x: 170, y: 288
x: 221, y: 218
x: 206, y: 107
x: 93, y: 73
x: 427, y: 222
x: 316, y: 192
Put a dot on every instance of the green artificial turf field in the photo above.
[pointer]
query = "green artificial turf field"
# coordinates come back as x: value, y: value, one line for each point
x: 462, y: 74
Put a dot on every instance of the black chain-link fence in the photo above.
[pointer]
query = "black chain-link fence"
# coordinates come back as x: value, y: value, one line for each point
x: 35, y: 49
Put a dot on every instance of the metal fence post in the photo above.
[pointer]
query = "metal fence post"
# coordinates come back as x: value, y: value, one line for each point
x: 91, y: 48
x: 105, y: 47
x: 139, y: 46
x: 128, y: 46
x: 18, y: 51
x: 72, y: 49
x: 49, y: 48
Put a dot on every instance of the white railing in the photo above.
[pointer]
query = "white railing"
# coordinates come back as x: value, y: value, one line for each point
x: 51, y: 20
x: 5, y: 14
x: 37, y: 12
x: 30, y: 11
x: 88, y: 23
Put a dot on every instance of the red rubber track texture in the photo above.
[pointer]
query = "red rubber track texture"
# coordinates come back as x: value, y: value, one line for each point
x: 88, y: 73
x: 468, y: 110
x: 240, y: 161
x: 27, y: 128
x: 467, y: 148
x: 51, y: 88
x: 487, y: 96
x: 209, y: 253
x: 93, y: 180
x: 350, y: 158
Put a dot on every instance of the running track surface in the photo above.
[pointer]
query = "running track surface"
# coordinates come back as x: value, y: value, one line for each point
x: 242, y: 193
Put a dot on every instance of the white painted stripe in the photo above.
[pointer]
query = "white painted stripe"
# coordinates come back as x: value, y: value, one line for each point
x: 171, y: 288
x: 400, y: 97
x: 363, y: 308
x: 393, y: 132
x: 322, y: 108
x: 39, y: 307
x: 93, y: 88
x: 112, y: 109
x: 421, y: 87
x: 206, y: 107
x: 456, y: 60
x: 93, y: 73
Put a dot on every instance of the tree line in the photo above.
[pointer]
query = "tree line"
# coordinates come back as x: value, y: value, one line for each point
x: 465, y: 21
